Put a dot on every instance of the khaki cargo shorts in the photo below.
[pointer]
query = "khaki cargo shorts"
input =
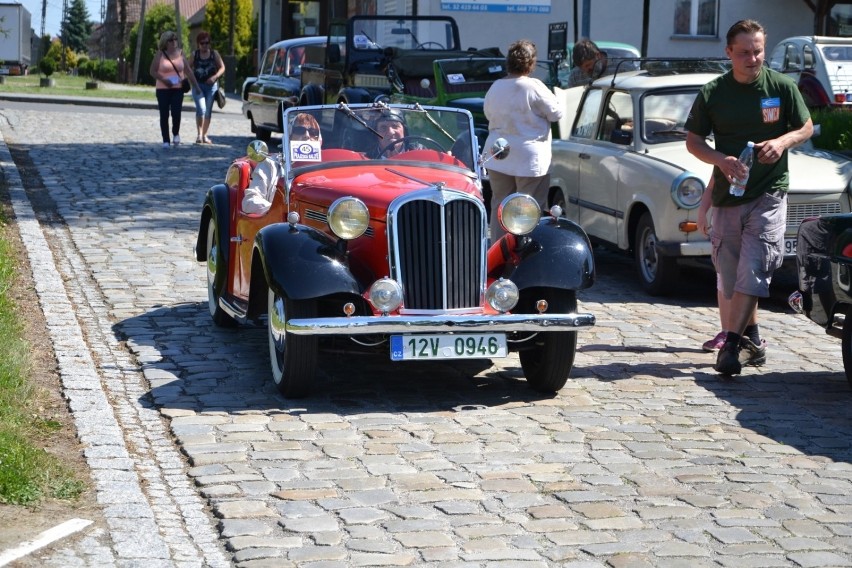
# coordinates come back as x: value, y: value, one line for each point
x: 748, y: 243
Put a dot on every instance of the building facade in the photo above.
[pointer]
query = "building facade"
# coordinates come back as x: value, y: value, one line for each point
x: 681, y: 28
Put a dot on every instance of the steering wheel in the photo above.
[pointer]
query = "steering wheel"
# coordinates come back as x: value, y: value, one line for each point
x: 406, y: 139
x: 424, y: 44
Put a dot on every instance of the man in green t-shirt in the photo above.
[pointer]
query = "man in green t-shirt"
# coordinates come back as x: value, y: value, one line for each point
x: 748, y: 103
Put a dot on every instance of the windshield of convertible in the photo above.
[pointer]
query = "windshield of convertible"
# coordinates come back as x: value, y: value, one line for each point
x: 435, y: 136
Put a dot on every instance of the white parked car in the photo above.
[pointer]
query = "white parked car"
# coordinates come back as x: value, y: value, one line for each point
x: 622, y: 172
x: 821, y: 66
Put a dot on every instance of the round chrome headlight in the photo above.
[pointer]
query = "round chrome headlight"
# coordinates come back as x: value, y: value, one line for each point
x: 348, y: 218
x: 687, y: 190
x: 502, y: 295
x: 385, y: 295
x: 519, y: 213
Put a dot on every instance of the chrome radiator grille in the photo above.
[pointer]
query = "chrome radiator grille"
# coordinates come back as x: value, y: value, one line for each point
x: 437, y: 251
x: 797, y: 212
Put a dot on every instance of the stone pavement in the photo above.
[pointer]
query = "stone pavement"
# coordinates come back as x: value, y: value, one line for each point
x: 645, y: 458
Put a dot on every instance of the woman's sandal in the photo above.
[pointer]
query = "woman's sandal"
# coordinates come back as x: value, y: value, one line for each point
x: 199, y: 140
x: 207, y: 140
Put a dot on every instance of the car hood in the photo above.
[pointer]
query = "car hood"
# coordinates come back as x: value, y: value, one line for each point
x: 676, y: 155
x: 818, y: 170
x: 377, y: 185
x: 811, y: 170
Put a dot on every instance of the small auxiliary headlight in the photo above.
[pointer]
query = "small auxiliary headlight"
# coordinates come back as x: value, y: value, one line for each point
x: 385, y: 295
x: 519, y: 213
x: 348, y: 218
x: 502, y: 295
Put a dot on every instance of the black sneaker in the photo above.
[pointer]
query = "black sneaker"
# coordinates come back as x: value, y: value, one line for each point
x: 728, y: 359
x: 752, y: 354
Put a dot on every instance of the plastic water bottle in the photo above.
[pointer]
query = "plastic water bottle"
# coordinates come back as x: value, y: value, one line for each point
x: 746, y: 158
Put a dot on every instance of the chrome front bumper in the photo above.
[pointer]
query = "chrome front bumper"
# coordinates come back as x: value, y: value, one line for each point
x: 362, y: 325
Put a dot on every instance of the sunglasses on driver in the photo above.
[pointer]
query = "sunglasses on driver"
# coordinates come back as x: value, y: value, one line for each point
x: 302, y: 130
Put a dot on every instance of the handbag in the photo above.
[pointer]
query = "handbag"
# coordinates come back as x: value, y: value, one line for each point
x: 185, y: 84
x: 220, y: 97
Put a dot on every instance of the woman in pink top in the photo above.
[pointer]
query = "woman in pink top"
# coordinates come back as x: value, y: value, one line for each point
x: 520, y: 109
x: 169, y: 68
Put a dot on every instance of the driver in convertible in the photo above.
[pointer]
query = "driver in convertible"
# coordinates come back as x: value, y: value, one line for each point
x: 390, y: 124
x: 264, y: 178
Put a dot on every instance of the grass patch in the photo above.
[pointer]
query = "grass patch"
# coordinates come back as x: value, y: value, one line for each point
x: 835, y: 129
x: 69, y: 85
x: 28, y: 473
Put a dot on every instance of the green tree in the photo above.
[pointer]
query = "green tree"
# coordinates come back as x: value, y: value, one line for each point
x: 158, y: 19
x: 76, y: 28
x: 217, y: 21
x: 55, y: 54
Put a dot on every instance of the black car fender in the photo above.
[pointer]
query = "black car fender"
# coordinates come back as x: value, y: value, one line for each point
x: 217, y: 203
x: 556, y: 254
x: 300, y: 262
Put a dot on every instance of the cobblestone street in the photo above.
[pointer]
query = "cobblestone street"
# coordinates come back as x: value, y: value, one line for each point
x: 646, y: 458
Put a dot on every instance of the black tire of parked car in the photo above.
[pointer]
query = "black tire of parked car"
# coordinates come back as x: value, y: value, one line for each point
x: 549, y: 357
x: 846, y: 345
x: 215, y: 260
x: 261, y: 133
x: 293, y: 357
x: 657, y: 272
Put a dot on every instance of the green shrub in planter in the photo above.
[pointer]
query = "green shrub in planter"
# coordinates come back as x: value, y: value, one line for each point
x: 835, y: 129
x: 47, y: 66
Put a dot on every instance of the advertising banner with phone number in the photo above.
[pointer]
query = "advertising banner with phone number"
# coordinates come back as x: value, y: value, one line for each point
x: 511, y: 6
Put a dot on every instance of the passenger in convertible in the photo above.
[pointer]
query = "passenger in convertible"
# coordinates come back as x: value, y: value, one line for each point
x: 264, y: 178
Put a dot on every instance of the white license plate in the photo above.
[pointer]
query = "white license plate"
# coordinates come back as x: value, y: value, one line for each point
x: 444, y: 346
x: 789, y: 246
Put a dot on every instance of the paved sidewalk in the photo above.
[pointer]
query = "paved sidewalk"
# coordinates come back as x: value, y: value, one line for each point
x: 645, y: 459
x: 233, y: 106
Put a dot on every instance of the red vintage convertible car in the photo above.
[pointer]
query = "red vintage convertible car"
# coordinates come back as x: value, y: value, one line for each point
x: 392, y: 250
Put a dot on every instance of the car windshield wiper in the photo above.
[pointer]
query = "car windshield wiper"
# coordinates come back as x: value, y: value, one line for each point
x: 434, y: 122
x: 342, y: 107
x: 363, y: 33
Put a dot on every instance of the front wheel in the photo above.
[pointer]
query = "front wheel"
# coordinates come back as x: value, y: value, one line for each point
x: 846, y: 345
x: 293, y: 357
x: 215, y: 263
x: 657, y: 271
x: 548, y: 361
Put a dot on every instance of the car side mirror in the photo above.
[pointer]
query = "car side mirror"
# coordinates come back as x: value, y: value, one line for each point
x: 498, y: 151
x: 257, y: 151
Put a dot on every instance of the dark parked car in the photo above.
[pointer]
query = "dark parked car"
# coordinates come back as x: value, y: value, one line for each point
x: 824, y: 256
x: 278, y: 84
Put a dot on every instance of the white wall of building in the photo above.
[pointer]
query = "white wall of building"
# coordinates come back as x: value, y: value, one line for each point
x: 621, y: 20
x: 499, y: 29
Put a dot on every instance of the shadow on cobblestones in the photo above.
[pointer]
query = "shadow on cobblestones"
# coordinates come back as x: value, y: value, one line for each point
x: 192, y: 364
x: 808, y: 411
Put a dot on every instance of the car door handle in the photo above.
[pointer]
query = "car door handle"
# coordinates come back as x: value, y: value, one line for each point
x: 584, y: 156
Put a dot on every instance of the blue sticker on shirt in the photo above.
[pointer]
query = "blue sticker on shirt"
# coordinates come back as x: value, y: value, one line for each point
x: 771, y: 109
